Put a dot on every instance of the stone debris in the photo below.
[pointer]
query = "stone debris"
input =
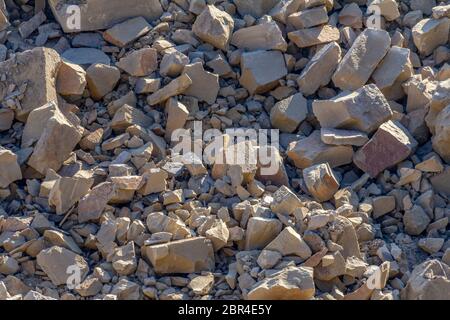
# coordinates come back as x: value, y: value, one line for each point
x: 321, y: 132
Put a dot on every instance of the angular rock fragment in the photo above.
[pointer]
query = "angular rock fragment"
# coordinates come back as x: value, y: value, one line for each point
x: 263, y: 36
x: 85, y: 56
x: 9, y: 168
x: 124, y: 33
x: 285, y: 201
x: 92, y: 204
x: 139, y: 63
x: 304, y: 38
x: 260, y: 232
x: 415, y: 220
x: 441, y: 139
x: 205, y: 85
x: 428, y: 34
x: 101, y: 79
x: 387, y: 8
x: 340, y: 137
x: 71, y: 80
x: 175, y: 87
x: 320, y: 181
x: 361, y: 59
x: 287, y: 114
x: 289, y: 242
x: 155, y: 181
x: 255, y: 8
x: 391, y: 144
x: 308, y: 18
x: 6, y: 119
x: 172, y: 64
x: 128, y: 116
x: 177, y: 114
x: 67, y: 191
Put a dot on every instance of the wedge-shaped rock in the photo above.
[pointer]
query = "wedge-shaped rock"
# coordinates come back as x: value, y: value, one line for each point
x: 113, y: 12
x: 205, y: 85
x: 261, y: 70
x: 291, y: 283
x: 4, y: 23
x: 139, y: 63
x: 320, y: 181
x: 271, y: 166
x: 428, y: 34
x: 304, y: 38
x: 128, y: 116
x: 6, y: 119
x: 214, y: 26
x: 387, y: 8
x: 308, y: 18
x: 441, y: 139
x: 101, y: 79
x: 126, y: 32
x: 320, y: 69
x: 57, y: 136
x: 264, y: 36
x: 92, y: 204
x: 58, y: 264
x: 290, y: 242
x: 260, y: 232
x: 392, y: 72
x: 36, y: 69
x: 177, y: 114
x: 154, y: 181
x: 311, y: 150
x: 287, y: 114
x: 71, y: 80
x: 364, y: 109
x: 159, y: 222
x: 67, y: 191
x: 255, y: 8
x: 9, y: 168
x: 285, y: 201
x: 391, y: 144
x: 175, y: 87
x: 172, y: 64
x: 361, y: 60
x: 343, y: 137
x: 183, y: 256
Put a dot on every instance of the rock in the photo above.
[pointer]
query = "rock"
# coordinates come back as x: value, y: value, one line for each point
x: 202, y: 285
x: 285, y: 201
x: 38, y: 69
x: 260, y: 232
x: 392, y: 72
x: 182, y: 256
x: 218, y: 234
x: 428, y: 34
x: 431, y: 245
x: 67, y: 191
x: 304, y: 38
x: 214, y: 26
x: 57, y: 263
x: 271, y: 168
x: 428, y: 281
x: 113, y: 12
x: 90, y: 207
x: 365, y: 110
x: 147, y: 85
x: 172, y: 64
x: 71, y: 80
x: 287, y: 114
x: 91, y: 286
x: 124, y: 260
x: 441, y: 11
x: 321, y: 182
x: 8, y: 265
x: 4, y: 23
x: 57, y: 238
x: 101, y: 79
x: 391, y: 144
x: 205, y: 85
x: 26, y: 28
x: 268, y: 259
x: 340, y: 137
x: 361, y: 59
x: 261, y: 70
x: 441, y: 139
x: 155, y: 181
x: 126, y: 32
x: 289, y: 242
x: 128, y: 116
x: 311, y: 150
x: 36, y: 296
x: 139, y: 63
x: 158, y: 222
x: 319, y: 70
x: 55, y: 140
x: 263, y: 36
x: 9, y: 168
x: 175, y: 87
x: 290, y: 283
x: 387, y: 8
x: 255, y: 8
x: 308, y: 18
x: 351, y: 15
x: 6, y: 119
x: 126, y: 290
x: 382, y: 205
x: 177, y: 114
x: 415, y: 220
x: 85, y: 56
x: 432, y: 164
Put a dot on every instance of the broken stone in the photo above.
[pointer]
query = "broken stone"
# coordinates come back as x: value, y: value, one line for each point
x: 428, y: 34
x: 382, y: 205
x: 177, y: 114
x: 441, y: 139
x: 9, y: 168
x: 67, y: 191
x: 172, y: 64
x: 415, y: 220
x: 304, y: 38
x: 287, y: 114
x: 128, y: 116
x: 289, y: 242
x: 343, y: 137
x: 202, y: 285
x: 123, y: 33
x: 255, y: 8
x: 147, y: 85
x: 387, y: 8
x: 260, y: 232
x: 285, y: 201
x: 431, y: 245
x: 264, y: 36
x: 91, y: 206
x: 85, y: 56
x: 101, y: 79
x: 155, y: 181
x: 308, y: 18
x: 71, y: 80
x: 175, y: 87
x: 139, y: 63
x: 205, y: 85
x: 321, y: 182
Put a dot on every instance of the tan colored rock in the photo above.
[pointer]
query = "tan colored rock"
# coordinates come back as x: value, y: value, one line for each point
x: 4, y: 23
x: 428, y: 34
x: 271, y: 167
x: 214, y: 26
x: 441, y: 11
x: 67, y: 191
x: 177, y: 114
x: 155, y: 181
x: 441, y: 139
x: 128, y: 116
x: 361, y: 59
x: 431, y: 245
x: 129, y: 98
x: 287, y: 114
x: 321, y: 182
x: 8, y: 265
x: 304, y: 38
x: 291, y: 283
x: 159, y: 222
x: 172, y: 64
x: 290, y: 242
x: 285, y: 201
x: 37, y: 68
x: 124, y: 260
x: 432, y: 164
x: 261, y: 70
x: 382, y: 205
x: 415, y: 220
x: 139, y: 63
x: 56, y: 261
x: 364, y: 109
x: 255, y: 8
x: 126, y: 32
x: 147, y: 85
x: 340, y: 137
x: 183, y: 256
x: 391, y: 144
x: 351, y: 16
x: 263, y: 36
x: 311, y: 150
x: 392, y: 72
x: 113, y: 12
x: 90, y: 207
x: 175, y: 87
x: 9, y: 168
x: 93, y: 139
x: 58, y: 238
x: 387, y: 8
x: 115, y: 142
x: 218, y: 234
x: 101, y: 79
x: 202, y: 285
x: 260, y: 232
x: 56, y: 139
x: 71, y: 79
x: 308, y: 18
x: 6, y: 119
x: 205, y: 85
x: 320, y: 69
